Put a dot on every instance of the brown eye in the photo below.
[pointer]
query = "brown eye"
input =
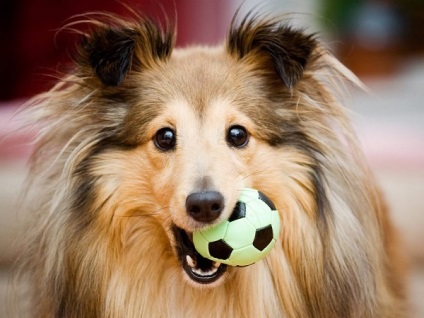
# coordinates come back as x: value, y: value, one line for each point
x: 237, y: 136
x: 165, y: 139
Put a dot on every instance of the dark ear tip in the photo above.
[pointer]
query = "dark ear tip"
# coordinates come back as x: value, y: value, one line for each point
x: 109, y: 53
x: 114, y: 48
x: 288, y: 49
x: 110, y: 79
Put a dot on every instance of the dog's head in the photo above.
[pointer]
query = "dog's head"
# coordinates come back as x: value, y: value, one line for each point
x: 141, y: 145
x: 166, y: 138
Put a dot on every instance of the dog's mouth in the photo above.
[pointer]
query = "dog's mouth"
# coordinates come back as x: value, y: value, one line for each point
x: 198, y: 268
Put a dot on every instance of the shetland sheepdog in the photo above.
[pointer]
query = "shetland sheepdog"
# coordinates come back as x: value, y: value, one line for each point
x: 138, y: 126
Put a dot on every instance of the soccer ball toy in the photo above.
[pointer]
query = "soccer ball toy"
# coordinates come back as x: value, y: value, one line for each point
x: 246, y: 237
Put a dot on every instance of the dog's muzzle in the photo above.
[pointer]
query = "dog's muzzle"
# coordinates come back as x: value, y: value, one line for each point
x: 198, y: 268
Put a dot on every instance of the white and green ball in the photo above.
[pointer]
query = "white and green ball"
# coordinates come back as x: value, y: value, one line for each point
x: 246, y: 237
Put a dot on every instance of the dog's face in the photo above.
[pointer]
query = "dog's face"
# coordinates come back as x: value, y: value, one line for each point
x: 205, y: 145
x: 191, y: 128
x: 199, y: 149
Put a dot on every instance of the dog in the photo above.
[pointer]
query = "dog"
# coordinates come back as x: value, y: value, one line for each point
x: 138, y: 127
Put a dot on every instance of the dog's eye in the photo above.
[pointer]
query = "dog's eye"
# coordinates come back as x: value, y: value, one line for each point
x: 165, y: 139
x: 237, y: 136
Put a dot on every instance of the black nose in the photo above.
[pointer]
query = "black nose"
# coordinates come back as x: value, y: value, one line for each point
x: 205, y: 206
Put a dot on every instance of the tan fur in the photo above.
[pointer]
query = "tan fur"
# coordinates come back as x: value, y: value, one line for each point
x: 114, y: 257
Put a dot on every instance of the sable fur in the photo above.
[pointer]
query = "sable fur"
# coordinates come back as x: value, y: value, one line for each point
x: 104, y: 200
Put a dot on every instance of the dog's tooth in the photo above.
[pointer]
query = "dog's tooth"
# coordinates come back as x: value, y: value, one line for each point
x: 216, y: 264
x: 190, y: 261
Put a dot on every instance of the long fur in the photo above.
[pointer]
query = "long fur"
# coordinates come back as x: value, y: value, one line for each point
x: 103, y: 199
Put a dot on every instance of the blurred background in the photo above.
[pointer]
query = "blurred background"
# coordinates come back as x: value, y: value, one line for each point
x: 382, y: 41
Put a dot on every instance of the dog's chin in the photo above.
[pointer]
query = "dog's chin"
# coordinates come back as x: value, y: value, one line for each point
x: 201, y: 272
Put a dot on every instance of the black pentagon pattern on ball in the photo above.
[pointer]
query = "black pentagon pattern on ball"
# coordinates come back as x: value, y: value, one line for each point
x: 263, y: 237
x: 219, y: 249
x: 267, y: 200
x: 239, y: 212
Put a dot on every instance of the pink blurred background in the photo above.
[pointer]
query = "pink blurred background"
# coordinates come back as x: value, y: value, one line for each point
x: 382, y: 41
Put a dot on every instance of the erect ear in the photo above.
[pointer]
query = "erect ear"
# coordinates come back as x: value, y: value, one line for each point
x: 113, y: 49
x: 289, y: 50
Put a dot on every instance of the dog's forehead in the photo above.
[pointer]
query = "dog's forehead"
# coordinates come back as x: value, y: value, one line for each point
x: 200, y: 58
x: 199, y: 73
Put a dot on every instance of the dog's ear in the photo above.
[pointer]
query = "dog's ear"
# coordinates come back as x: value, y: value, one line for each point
x: 113, y: 50
x: 269, y: 40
